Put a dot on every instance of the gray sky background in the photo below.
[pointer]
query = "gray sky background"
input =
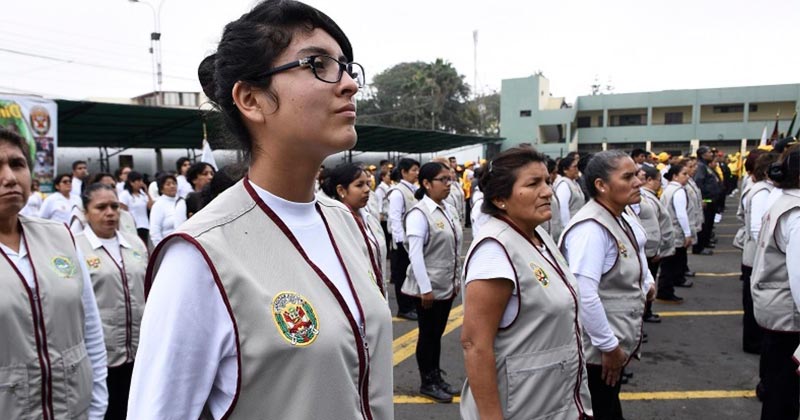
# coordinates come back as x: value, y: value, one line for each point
x: 99, y: 48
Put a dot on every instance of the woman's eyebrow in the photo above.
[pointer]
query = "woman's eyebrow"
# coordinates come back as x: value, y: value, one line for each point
x: 314, y: 50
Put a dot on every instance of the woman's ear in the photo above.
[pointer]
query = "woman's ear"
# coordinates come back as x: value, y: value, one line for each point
x: 341, y: 191
x: 249, y: 101
x: 600, y: 185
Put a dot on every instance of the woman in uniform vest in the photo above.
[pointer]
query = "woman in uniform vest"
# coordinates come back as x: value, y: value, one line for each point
x: 349, y: 184
x: 776, y: 289
x: 433, y: 278
x: 695, y: 211
x: 520, y: 304
x: 401, y: 200
x: 754, y: 206
x: 116, y: 263
x: 53, y: 359
x: 568, y: 191
x: 606, y: 255
x: 263, y: 304
x: 78, y: 222
x: 553, y: 226
x: 676, y: 200
x: 169, y: 210
x: 658, y: 226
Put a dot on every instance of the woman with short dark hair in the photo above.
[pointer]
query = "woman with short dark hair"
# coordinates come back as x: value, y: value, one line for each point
x: 260, y: 305
x: 199, y: 177
x: 53, y: 355
x: 135, y: 200
x: 169, y: 210
x: 604, y: 246
x: 520, y: 304
x: 566, y: 187
x: 58, y: 205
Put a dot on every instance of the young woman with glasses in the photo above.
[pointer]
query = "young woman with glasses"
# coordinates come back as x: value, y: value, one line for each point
x: 261, y: 305
x: 433, y: 278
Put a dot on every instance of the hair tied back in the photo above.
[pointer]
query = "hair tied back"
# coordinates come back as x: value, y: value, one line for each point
x: 205, y: 73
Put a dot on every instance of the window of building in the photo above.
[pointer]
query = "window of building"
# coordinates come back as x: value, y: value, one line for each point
x: 584, y: 122
x: 525, y: 113
x: 753, y: 108
x: 189, y: 99
x: 673, y: 118
x: 727, y: 109
x: 600, y: 120
x: 172, y: 98
x: 630, y: 119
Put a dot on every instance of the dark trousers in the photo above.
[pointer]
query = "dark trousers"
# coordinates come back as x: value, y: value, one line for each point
x: 704, y: 236
x: 781, y: 399
x: 653, y: 267
x: 119, y: 384
x: 386, y: 234
x: 751, y: 332
x: 399, y: 261
x: 605, y: 399
x: 144, y: 234
x: 672, y: 273
x: 432, y: 322
x: 467, y: 212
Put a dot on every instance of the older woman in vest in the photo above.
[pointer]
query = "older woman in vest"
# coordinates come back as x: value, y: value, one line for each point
x: 53, y: 362
x: 566, y: 187
x: 606, y: 254
x: 521, y: 337
x: 126, y: 222
x: 401, y: 200
x: 657, y: 223
x: 753, y: 207
x: 116, y: 263
x: 695, y: 211
x: 676, y: 200
x: 775, y: 286
x: 349, y: 184
x: 264, y: 304
x: 433, y: 278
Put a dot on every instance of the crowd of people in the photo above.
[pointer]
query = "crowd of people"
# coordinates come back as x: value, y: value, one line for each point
x: 261, y: 291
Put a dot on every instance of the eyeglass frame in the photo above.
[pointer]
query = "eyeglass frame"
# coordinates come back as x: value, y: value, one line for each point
x: 308, y: 61
x: 444, y: 180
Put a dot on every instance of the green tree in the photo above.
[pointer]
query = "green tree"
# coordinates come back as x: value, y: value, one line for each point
x: 420, y: 95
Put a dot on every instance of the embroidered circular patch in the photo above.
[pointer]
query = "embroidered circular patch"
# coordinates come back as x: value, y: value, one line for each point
x: 540, y: 275
x: 295, y: 318
x: 63, y: 266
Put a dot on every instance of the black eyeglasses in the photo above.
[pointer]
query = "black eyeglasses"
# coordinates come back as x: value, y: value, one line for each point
x: 326, y: 69
x: 443, y: 180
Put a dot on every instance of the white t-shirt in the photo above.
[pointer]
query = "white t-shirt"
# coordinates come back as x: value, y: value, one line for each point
x: 137, y: 207
x: 58, y: 208
x: 184, y: 187
x: 93, y: 332
x: 187, y: 348
x: 33, y: 205
x: 166, y: 215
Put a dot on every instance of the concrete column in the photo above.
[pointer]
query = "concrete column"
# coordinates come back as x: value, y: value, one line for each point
x: 746, y: 112
x: 649, y: 116
x: 605, y: 117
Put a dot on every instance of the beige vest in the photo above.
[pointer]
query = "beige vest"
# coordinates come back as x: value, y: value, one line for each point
x: 620, y: 288
x: 377, y: 248
x: 456, y: 199
x: 773, y: 305
x: 408, y: 203
x: 301, y: 353
x: 667, y: 202
x: 554, y: 226
x: 695, y: 199
x: 576, y: 199
x: 52, y: 375
x: 750, y: 244
x: 539, y: 357
x: 658, y: 226
x: 441, y: 253
x: 120, y: 294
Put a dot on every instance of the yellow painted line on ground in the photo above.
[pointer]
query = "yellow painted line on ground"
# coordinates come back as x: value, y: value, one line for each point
x: 718, y: 274
x: 628, y: 396
x: 698, y: 313
x: 405, y: 345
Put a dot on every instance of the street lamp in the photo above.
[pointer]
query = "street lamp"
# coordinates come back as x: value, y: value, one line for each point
x: 155, y: 47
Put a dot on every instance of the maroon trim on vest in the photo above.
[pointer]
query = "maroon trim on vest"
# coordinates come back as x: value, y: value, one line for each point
x: 37, y: 323
x: 554, y: 264
x: 515, y: 280
x: 363, y: 353
x: 128, y: 316
x: 373, y: 260
x: 149, y: 281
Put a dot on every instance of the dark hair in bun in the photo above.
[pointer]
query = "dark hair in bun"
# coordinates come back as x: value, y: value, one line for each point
x: 498, y: 177
x: 248, y: 49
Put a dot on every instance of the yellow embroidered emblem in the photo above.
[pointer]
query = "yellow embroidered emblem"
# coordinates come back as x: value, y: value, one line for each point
x: 622, y: 250
x: 295, y: 318
x: 439, y: 224
x: 93, y: 262
x: 540, y: 274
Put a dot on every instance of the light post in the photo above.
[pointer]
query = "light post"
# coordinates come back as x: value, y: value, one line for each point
x: 155, y: 47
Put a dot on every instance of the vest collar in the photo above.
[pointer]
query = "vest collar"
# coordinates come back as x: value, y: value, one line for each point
x: 95, y: 242
x: 430, y: 206
x: 408, y: 185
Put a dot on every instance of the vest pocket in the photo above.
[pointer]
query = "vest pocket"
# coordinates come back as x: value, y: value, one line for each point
x: 78, y: 377
x: 540, y: 384
x: 14, y: 392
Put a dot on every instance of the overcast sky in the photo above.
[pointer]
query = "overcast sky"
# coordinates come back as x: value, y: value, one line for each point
x: 99, y: 48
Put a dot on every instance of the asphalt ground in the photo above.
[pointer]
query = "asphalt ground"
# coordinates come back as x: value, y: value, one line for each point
x: 692, y: 366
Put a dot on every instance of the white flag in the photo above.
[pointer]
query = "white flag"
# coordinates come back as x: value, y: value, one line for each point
x: 763, y: 137
x: 208, y: 155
